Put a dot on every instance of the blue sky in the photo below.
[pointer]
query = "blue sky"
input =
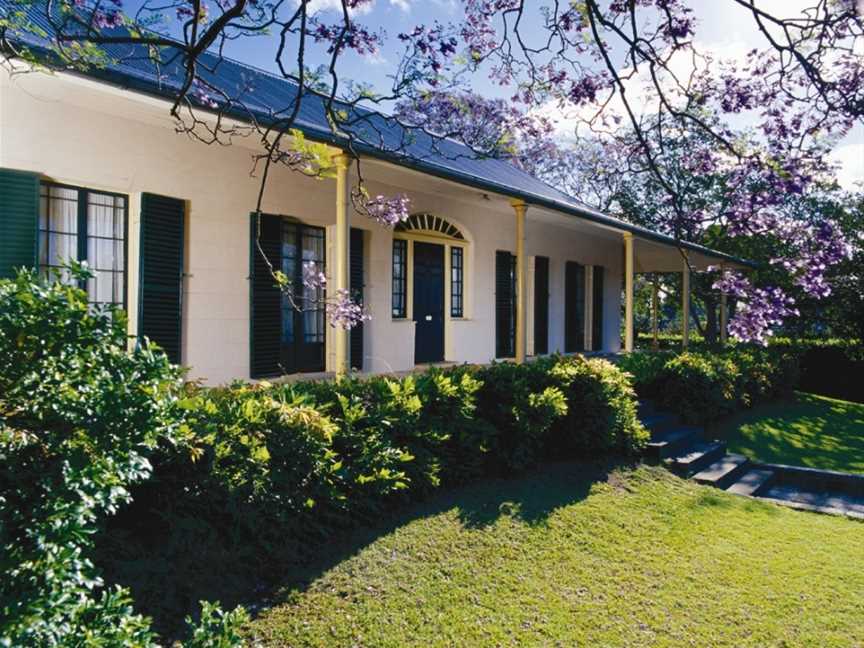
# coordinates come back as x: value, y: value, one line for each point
x: 724, y: 28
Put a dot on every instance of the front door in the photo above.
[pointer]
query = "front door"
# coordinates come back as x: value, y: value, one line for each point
x: 428, y: 302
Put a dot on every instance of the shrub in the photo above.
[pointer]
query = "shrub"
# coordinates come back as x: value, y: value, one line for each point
x: 702, y: 387
x: 273, y: 470
x: 78, y: 412
x: 245, y: 480
x: 519, y: 403
x: 602, y: 415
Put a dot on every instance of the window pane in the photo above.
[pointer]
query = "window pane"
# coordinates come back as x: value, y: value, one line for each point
x: 62, y: 248
x: 119, y: 286
x: 63, y: 210
x: 456, y: 281
x: 399, y: 287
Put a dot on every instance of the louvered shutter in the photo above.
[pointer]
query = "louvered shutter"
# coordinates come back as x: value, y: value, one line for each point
x: 266, y: 299
x: 163, y: 224
x: 541, y: 305
x: 356, y: 284
x: 597, y: 323
x: 19, y: 216
x: 574, y: 307
x: 505, y: 305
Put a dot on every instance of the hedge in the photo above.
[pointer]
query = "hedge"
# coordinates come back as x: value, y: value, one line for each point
x: 825, y: 365
x: 704, y: 386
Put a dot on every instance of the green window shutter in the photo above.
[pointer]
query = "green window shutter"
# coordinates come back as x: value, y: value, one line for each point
x: 19, y: 219
x: 265, y: 310
x: 597, y: 323
x: 356, y: 283
x: 505, y: 305
x: 160, y: 305
x: 574, y: 307
x: 541, y: 305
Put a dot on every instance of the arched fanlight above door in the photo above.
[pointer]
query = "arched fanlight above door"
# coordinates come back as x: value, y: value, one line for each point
x: 430, y: 224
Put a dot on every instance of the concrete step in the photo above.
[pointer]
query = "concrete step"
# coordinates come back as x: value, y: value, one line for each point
x: 696, y: 457
x: 752, y: 482
x: 723, y: 472
x: 671, y: 442
x: 659, y: 423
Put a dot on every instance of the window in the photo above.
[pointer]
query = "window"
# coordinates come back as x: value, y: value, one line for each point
x: 457, y: 283
x: 83, y: 225
x: 400, y: 278
x: 303, y: 310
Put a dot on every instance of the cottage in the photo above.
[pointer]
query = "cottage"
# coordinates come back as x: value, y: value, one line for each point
x: 493, y: 263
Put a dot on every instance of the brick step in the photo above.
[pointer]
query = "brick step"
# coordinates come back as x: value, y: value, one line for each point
x: 724, y: 471
x: 695, y: 457
x: 752, y: 482
x: 672, y: 442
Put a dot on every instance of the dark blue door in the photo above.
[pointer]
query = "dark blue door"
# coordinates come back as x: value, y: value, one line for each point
x: 428, y: 302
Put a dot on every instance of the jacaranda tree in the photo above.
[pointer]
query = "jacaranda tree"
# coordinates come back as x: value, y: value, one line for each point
x: 801, y: 91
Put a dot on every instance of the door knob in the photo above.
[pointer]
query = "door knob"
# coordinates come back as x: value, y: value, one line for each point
x: 428, y: 318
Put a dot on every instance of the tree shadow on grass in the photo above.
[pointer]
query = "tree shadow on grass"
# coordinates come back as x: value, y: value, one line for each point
x: 170, y: 572
x: 531, y: 498
x: 809, y: 431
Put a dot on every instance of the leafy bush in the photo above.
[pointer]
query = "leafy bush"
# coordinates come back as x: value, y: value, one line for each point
x: 78, y: 414
x: 702, y: 387
x: 602, y: 415
x: 274, y: 470
x: 179, y: 492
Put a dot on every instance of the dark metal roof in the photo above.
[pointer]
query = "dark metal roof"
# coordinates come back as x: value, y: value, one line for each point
x: 263, y: 96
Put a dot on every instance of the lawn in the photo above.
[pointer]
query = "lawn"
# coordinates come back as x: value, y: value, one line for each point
x: 571, y: 556
x: 808, y: 430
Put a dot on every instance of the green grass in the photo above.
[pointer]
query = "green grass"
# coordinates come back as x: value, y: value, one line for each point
x: 809, y: 430
x: 635, y: 557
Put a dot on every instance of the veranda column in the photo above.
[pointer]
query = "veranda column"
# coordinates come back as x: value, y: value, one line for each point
x: 655, y: 306
x: 724, y: 314
x: 628, y: 292
x: 340, y: 274
x: 520, y: 207
x: 685, y: 304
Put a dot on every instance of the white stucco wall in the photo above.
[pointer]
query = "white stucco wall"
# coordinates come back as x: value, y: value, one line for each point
x: 82, y: 133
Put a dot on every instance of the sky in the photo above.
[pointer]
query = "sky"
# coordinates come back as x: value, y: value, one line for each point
x: 723, y: 28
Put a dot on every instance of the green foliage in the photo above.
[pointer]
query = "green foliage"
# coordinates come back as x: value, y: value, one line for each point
x: 602, y: 416
x: 705, y: 386
x: 78, y: 414
x: 216, y: 628
x: 181, y: 492
x: 275, y: 470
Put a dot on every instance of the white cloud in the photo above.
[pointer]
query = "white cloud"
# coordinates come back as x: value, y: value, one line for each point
x: 404, y: 5
x: 316, y: 6
x: 851, y: 158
